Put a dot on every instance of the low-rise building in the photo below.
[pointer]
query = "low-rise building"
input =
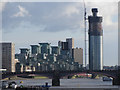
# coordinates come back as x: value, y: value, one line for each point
x: 77, y: 55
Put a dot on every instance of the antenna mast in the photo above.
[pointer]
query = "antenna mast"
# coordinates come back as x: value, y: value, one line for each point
x: 85, y: 22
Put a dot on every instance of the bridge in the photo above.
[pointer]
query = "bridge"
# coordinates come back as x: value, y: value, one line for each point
x: 57, y: 75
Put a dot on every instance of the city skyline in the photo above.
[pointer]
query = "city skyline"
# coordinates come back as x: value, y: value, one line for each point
x: 47, y: 24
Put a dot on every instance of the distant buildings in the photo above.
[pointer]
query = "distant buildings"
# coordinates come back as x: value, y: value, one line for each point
x: 77, y: 55
x: 55, y: 50
x: 35, y: 49
x: 45, y: 48
x: 24, y: 55
x: 42, y: 57
x: 70, y: 43
x: 8, y: 56
x: 64, y: 46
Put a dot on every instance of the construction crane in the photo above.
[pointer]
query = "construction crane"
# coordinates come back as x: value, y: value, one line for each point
x: 85, y: 24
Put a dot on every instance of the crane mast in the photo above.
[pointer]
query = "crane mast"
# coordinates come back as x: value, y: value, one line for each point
x: 85, y: 31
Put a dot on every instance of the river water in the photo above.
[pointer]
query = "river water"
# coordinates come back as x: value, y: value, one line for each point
x: 79, y: 82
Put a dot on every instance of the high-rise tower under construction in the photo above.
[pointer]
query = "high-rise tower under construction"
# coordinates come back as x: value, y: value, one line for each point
x: 95, y: 41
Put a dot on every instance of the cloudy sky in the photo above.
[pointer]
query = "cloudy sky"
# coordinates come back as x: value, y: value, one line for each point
x: 26, y: 23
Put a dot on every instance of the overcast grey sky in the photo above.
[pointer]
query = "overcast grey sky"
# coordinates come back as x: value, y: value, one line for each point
x: 26, y: 23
